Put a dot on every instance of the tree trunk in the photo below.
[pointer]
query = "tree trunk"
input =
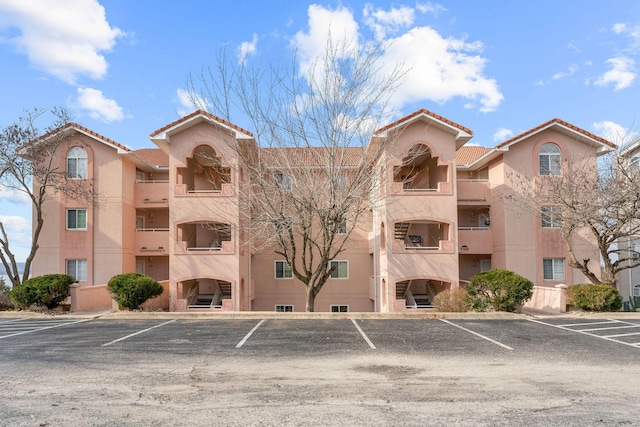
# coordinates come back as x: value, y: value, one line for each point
x: 311, y: 299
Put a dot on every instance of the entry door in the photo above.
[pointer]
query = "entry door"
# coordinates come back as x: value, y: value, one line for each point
x: 139, y: 223
x: 140, y: 266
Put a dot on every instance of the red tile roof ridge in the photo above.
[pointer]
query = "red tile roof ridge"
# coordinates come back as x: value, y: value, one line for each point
x: 198, y: 113
x: 563, y: 123
x: 82, y: 129
x: 428, y: 113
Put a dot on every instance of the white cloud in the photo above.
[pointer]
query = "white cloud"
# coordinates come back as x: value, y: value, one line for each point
x: 189, y: 103
x: 18, y: 230
x: 65, y: 38
x: 611, y: 131
x: 619, y: 28
x: 428, y: 7
x: 633, y: 32
x: 384, y: 22
x: 562, y: 74
x: 622, y: 73
x: 502, y: 134
x: 247, y: 48
x: 99, y: 107
x: 338, y: 24
x: 439, y: 69
x: 14, y: 196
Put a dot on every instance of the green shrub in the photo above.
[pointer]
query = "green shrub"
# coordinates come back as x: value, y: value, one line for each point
x: 499, y: 290
x: 452, y: 301
x: 48, y: 290
x: 131, y: 290
x: 592, y: 297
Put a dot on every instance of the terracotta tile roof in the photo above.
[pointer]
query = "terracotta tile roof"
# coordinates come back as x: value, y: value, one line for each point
x: 82, y: 129
x: 195, y: 114
x: 153, y: 156
x: 428, y: 113
x: 309, y: 156
x: 469, y: 154
x: 560, y: 122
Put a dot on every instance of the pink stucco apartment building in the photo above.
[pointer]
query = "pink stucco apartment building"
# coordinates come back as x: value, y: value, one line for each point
x: 164, y: 212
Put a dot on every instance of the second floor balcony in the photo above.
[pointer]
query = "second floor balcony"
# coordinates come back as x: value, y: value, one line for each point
x: 204, y: 237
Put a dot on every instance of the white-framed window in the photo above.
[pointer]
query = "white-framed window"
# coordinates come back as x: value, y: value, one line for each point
x: 340, y: 269
x: 77, y: 268
x: 636, y: 290
x: 76, y: 219
x: 553, y: 269
x: 551, y: 216
x: 77, y: 163
x: 283, y: 271
x: 550, y: 160
x: 339, y: 308
x: 283, y: 181
x: 634, y: 165
x: 342, y: 228
x: 284, y: 308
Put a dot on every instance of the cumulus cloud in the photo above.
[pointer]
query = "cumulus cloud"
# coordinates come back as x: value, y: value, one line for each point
x: 188, y: 103
x: 18, y: 230
x: 247, y: 48
x: 64, y: 38
x: 432, y: 8
x: 383, y: 22
x: 98, y: 106
x: 439, y: 68
x: 502, y: 134
x: 622, y: 73
x: 611, y: 131
x: 14, y: 196
x: 632, y: 32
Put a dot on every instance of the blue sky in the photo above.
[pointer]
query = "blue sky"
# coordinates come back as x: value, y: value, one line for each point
x: 496, y: 67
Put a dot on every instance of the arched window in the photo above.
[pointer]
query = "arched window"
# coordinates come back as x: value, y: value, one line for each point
x: 77, y: 163
x: 550, y: 159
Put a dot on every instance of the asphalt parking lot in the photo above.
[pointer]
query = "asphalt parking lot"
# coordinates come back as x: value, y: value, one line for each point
x: 278, y: 371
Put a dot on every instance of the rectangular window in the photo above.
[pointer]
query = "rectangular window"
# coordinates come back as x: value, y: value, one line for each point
x: 553, y: 269
x: 77, y: 168
x: 77, y: 268
x: 551, y: 216
x: 339, y: 308
x: 284, y: 308
x: 340, y: 269
x: 283, y: 271
x: 283, y: 181
x: 342, y: 228
x: 76, y: 219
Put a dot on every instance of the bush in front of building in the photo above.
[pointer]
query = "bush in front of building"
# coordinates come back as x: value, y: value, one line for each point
x: 498, y: 290
x: 131, y: 290
x: 594, y: 297
x: 48, y: 291
x: 452, y: 301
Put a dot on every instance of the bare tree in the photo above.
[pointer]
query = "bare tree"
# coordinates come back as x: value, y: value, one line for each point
x: 310, y: 175
x: 30, y: 164
x: 599, y: 202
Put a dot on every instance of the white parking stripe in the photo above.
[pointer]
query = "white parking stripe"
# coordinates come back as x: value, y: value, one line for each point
x: 363, y: 334
x: 57, y: 325
x: 477, y: 334
x: 246, y: 337
x: 605, y: 329
x: 138, y: 333
x: 589, y: 323
x: 578, y: 331
x: 622, y: 335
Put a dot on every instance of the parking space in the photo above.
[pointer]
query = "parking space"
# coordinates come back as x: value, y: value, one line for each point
x: 618, y: 331
x: 295, y: 337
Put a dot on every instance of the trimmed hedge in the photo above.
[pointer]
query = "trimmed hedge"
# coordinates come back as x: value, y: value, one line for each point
x: 48, y: 290
x: 499, y: 290
x: 131, y: 290
x: 594, y: 297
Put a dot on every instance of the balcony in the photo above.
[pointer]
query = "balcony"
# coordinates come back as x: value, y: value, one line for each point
x: 473, y: 191
x: 421, y: 236
x: 204, y: 238
x: 151, y: 193
x: 152, y: 241
x: 475, y: 240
